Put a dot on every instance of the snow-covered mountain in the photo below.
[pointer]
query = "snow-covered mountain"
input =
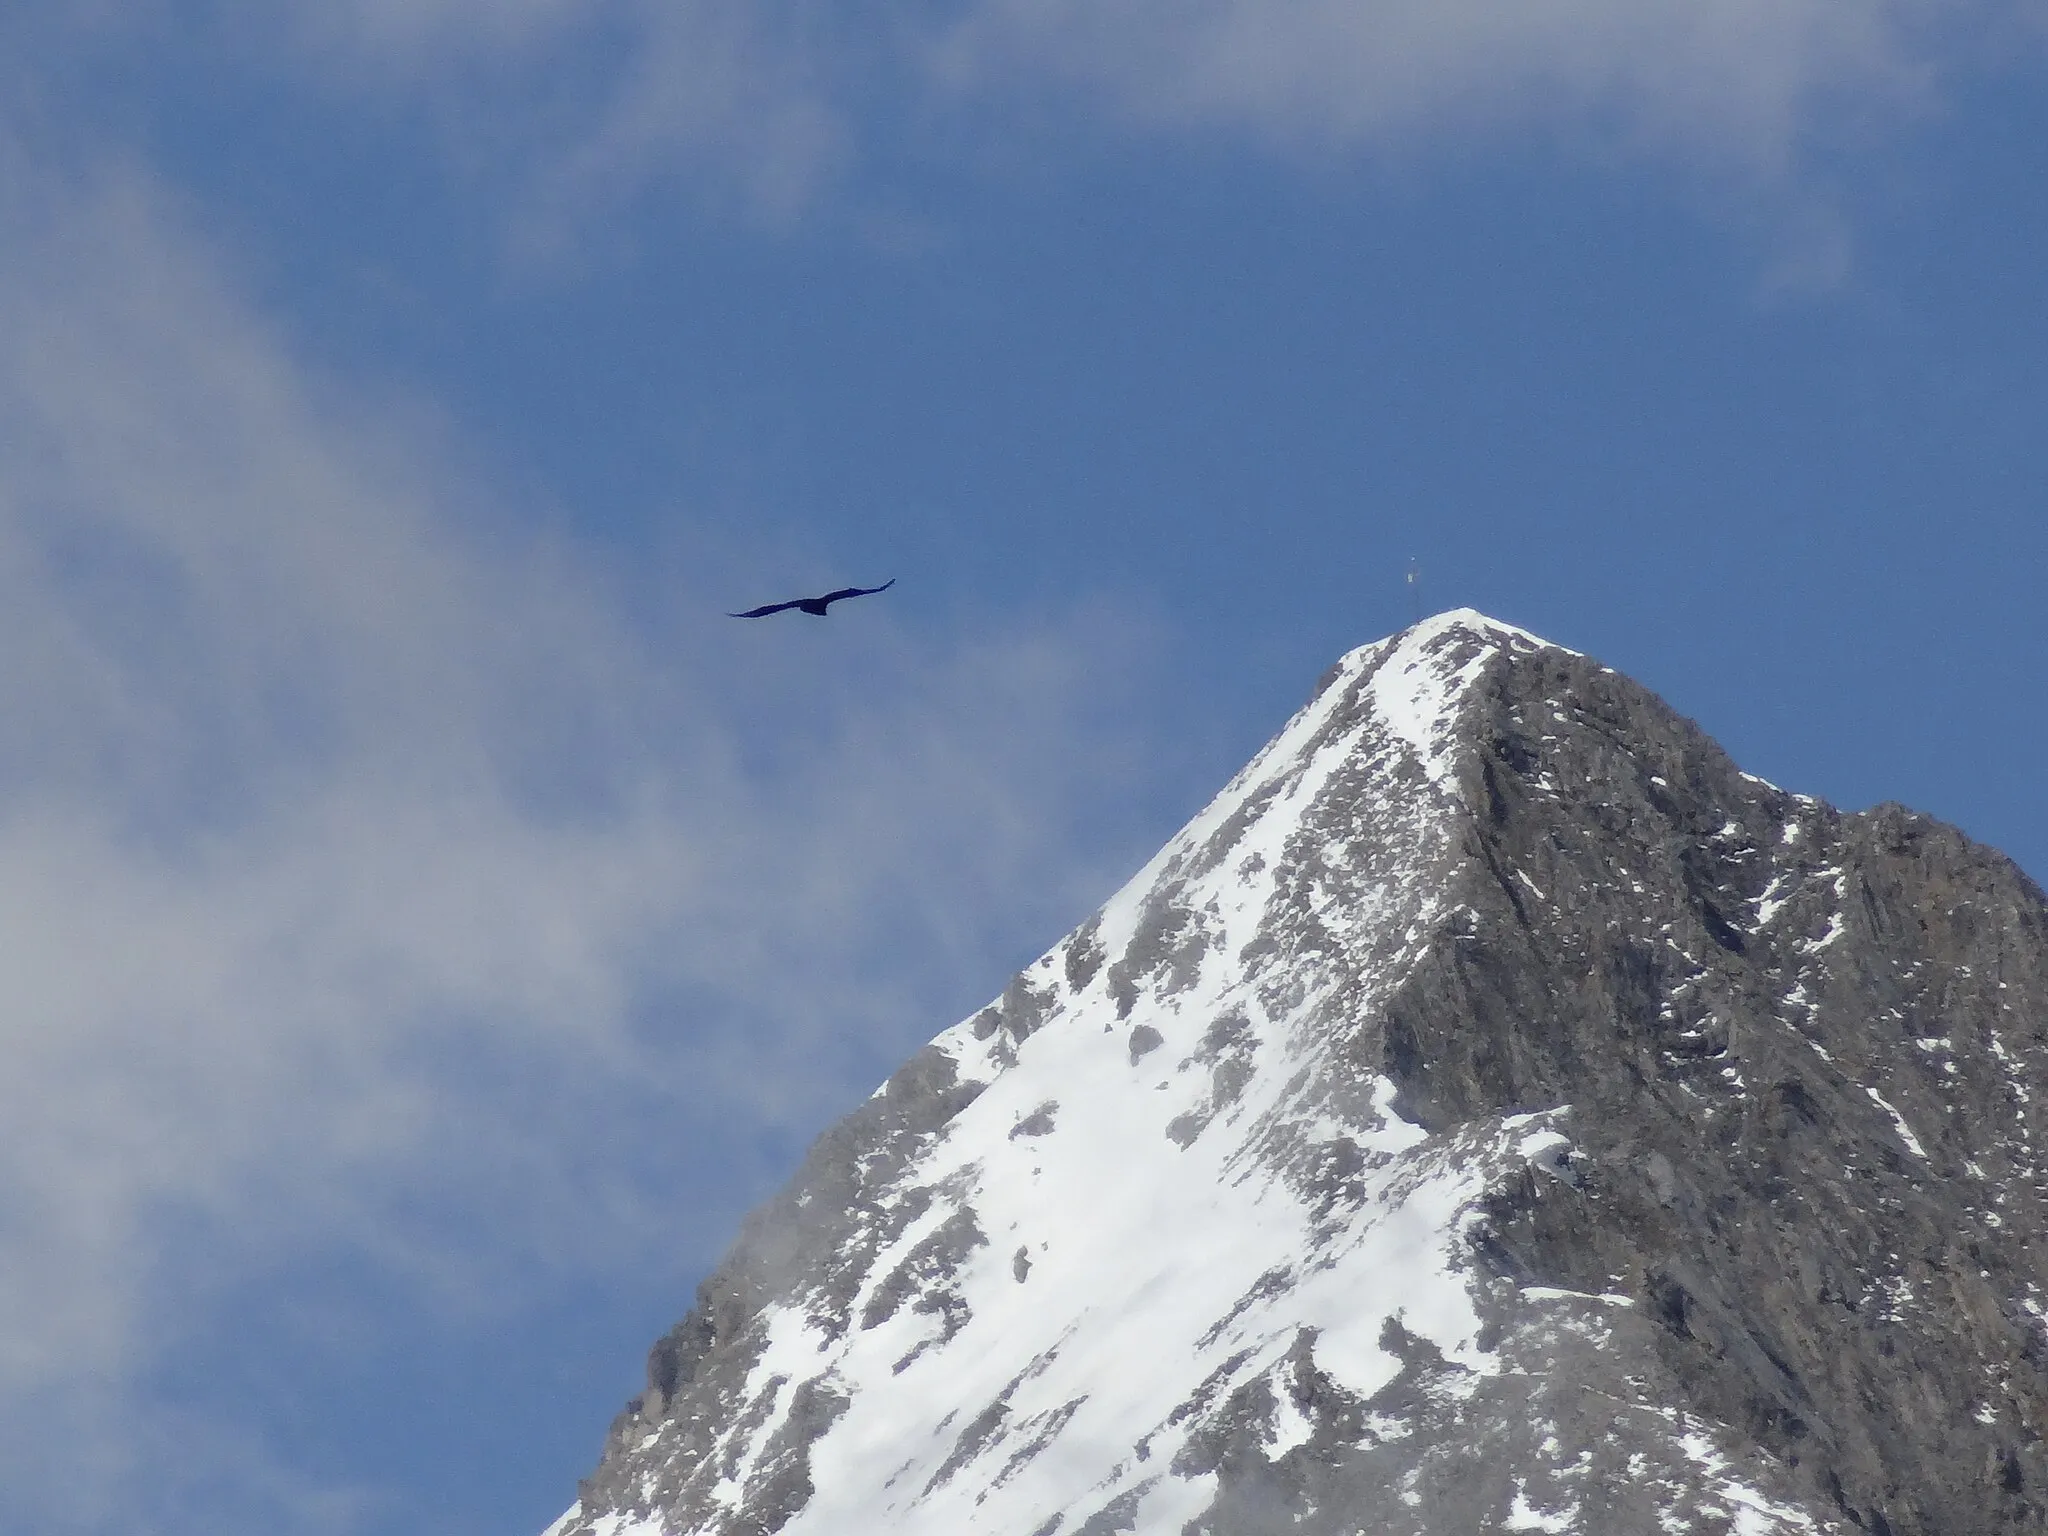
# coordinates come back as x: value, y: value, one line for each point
x: 1493, y: 1112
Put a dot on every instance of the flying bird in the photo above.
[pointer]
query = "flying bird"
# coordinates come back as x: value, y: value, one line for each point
x: 815, y: 606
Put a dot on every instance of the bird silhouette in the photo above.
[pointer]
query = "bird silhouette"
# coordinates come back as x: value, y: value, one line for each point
x: 814, y: 606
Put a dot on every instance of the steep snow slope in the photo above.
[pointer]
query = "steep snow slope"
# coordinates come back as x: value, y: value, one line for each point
x: 1269, y: 1199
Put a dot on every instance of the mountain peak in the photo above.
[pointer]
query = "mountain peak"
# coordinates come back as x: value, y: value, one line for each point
x: 1471, y: 1120
x: 1470, y: 621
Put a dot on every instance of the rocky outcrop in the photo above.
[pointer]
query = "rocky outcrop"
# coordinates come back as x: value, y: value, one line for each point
x: 1803, y: 1052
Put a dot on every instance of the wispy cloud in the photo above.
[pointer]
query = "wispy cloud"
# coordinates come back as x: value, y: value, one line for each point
x: 348, y: 850
x: 1726, y: 81
x: 771, y: 100
x: 569, y: 111
x: 749, y: 103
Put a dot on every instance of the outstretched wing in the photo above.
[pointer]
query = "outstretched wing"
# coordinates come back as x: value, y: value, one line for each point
x: 833, y: 597
x: 764, y: 610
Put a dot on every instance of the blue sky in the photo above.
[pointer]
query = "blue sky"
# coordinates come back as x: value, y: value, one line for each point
x: 430, y: 923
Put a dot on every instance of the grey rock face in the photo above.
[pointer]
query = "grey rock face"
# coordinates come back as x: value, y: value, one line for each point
x: 696, y: 1370
x: 1705, y: 1115
x: 1803, y: 1050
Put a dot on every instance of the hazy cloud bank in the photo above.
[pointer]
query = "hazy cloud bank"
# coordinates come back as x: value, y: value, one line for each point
x: 1728, y: 81
x: 356, y: 863
x: 773, y: 97
x: 569, y: 109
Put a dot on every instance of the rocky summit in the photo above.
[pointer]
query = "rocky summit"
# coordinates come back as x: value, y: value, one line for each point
x: 1494, y: 1112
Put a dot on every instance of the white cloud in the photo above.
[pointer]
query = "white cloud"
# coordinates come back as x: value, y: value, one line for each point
x: 1727, y: 80
x: 746, y: 99
x: 772, y: 97
x: 347, y: 833
x: 743, y: 90
x: 570, y: 110
x: 565, y: 112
